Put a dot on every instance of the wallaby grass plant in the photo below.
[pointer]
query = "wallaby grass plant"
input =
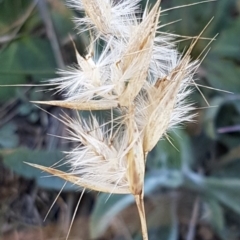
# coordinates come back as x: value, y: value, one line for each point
x: 140, y: 78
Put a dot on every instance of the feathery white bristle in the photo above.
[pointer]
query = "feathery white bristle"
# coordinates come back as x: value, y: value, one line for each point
x: 140, y: 78
x: 135, y: 68
x: 138, y: 73
x: 96, y: 155
x: 107, y: 17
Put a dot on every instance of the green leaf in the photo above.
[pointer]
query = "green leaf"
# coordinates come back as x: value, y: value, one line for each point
x: 11, y: 11
x: 222, y: 64
x: 62, y: 22
x: 106, y: 208
x: 164, y: 233
x: 162, y: 220
x: 8, y: 138
x: 224, y: 190
x: 176, y: 154
x: 215, y: 215
x: 228, y: 44
x: 25, y: 58
x: 222, y: 73
x: 15, y: 160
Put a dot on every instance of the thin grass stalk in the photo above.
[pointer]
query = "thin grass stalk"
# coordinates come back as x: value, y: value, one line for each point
x: 139, y: 199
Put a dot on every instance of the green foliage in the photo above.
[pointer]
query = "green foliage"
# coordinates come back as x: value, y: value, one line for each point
x: 222, y: 64
x: 222, y: 120
x: 24, y: 59
x: 106, y: 208
x: 8, y: 137
x: 10, y: 10
x: 174, y: 153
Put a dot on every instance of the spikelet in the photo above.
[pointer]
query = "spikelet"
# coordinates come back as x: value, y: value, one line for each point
x: 107, y: 18
x: 138, y: 75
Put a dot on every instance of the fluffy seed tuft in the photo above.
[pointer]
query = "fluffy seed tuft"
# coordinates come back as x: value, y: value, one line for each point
x: 141, y: 77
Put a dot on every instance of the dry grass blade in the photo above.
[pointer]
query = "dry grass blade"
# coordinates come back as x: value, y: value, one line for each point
x: 161, y: 102
x: 137, y: 55
x: 78, y: 181
x: 90, y: 105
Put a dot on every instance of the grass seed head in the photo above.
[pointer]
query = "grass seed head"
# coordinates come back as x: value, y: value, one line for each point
x: 141, y: 76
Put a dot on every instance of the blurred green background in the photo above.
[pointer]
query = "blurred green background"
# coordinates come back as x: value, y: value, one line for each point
x: 192, y: 190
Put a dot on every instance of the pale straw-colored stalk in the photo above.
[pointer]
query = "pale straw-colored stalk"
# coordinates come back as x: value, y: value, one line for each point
x: 140, y: 78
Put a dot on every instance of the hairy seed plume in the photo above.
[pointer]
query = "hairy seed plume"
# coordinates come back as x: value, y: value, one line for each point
x: 140, y: 76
